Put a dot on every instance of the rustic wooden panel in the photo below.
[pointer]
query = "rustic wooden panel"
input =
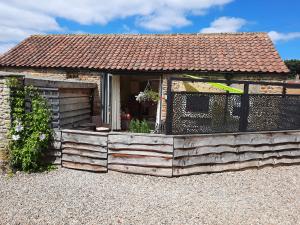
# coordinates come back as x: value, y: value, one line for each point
x: 66, y: 101
x: 52, y: 83
x: 75, y: 119
x: 225, y: 148
x: 165, y: 172
x: 79, y: 112
x: 130, y: 139
x: 86, y: 147
x: 84, y: 150
x: 92, y: 154
x: 237, y: 139
x: 141, y: 154
x: 82, y: 166
x: 141, y: 160
x: 83, y: 159
x: 231, y: 157
x: 65, y: 92
x: 91, y: 138
x: 222, y: 152
x: 141, y: 147
x: 234, y: 166
x: 73, y: 107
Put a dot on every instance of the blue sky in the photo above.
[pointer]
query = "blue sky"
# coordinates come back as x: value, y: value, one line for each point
x: 19, y: 19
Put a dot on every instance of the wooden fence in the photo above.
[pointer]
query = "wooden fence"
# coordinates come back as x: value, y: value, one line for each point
x: 223, y: 152
x: 71, y: 101
x: 84, y: 150
x: 140, y: 153
x: 169, y: 156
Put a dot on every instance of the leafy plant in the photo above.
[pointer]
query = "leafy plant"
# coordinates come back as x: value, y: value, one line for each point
x: 31, y: 130
x: 137, y: 126
x: 294, y: 67
x: 148, y: 95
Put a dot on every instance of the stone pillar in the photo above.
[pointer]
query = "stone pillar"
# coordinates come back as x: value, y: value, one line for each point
x: 4, y: 120
x: 5, y: 117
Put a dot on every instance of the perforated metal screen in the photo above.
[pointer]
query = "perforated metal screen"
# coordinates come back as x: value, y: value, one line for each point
x: 200, y: 113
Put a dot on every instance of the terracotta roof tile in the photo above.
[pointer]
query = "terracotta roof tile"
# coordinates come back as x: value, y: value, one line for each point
x: 239, y: 52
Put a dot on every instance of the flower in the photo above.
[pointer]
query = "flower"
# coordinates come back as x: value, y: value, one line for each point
x: 19, y: 127
x: 140, y: 97
x: 15, y: 137
x: 42, y: 137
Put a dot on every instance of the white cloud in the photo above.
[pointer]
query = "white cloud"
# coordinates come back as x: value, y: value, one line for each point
x: 5, y: 47
x: 19, y: 18
x: 225, y: 24
x: 276, y: 36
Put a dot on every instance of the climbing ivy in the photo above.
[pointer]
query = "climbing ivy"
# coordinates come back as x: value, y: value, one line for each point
x: 31, y: 130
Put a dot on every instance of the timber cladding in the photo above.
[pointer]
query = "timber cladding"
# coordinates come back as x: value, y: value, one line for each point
x: 70, y: 101
x: 171, y: 156
x: 84, y: 150
x: 141, y: 154
x: 223, y: 152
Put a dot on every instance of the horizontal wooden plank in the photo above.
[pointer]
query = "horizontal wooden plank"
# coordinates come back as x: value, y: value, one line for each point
x: 140, y: 152
x: 83, y: 159
x: 84, y: 138
x: 92, y: 133
x: 79, y: 152
x: 52, y: 83
x: 154, y: 171
x: 73, y: 107
x: 231, y: 157
x: 75, y: 119
x: 74, y: 125
x: 129, y: 139
x: 233, y: 166
x: 236, y: 139
x: 140, y: 160
x: 86, y: 147
x: 141, y: 147
x: 225, y: 148
x: 88, y: 167
x: 67, y: 101
x: 79, y: 112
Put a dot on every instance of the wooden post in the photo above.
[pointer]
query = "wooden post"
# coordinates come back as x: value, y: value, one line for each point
x: 244, y: 109
x: 169, y: 119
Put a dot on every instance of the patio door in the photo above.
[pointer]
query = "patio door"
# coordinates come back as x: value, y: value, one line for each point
x: 111, y: 101
x: 115, y: 103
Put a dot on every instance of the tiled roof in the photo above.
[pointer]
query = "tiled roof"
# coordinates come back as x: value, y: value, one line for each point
x: 238, y: 52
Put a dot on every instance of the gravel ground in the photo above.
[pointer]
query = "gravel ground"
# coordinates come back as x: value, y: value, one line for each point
x: 266, y: 196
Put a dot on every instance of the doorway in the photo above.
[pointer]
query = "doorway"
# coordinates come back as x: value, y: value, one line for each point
x: 131, y: 108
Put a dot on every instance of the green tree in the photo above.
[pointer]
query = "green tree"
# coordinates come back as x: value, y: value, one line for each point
x: 293, y: 65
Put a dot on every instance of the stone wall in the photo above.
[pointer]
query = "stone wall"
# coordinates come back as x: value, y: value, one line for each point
x: 5, y: 116
x: 4, y: 119
x: 83, y: 75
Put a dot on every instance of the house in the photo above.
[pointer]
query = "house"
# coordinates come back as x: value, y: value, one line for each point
x: 124, y: 65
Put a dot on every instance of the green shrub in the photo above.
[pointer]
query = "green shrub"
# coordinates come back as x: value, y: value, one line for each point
x: 31, y: 130
x: 137, y: 126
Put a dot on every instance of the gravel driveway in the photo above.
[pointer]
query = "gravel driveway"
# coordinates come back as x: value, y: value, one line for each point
x: 266, y: 196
